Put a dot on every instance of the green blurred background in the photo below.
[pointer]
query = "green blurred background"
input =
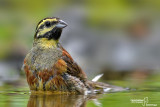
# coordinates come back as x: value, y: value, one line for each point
x: 18, y: 18
x: 93, y: 26
x: 94, y: 22
x: 119, y: 38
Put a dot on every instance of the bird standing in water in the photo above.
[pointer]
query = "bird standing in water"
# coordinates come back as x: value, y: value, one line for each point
x: 49, y: 67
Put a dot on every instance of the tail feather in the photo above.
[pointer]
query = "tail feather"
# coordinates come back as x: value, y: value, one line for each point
x: 99, y: 87
x: 96, y: 78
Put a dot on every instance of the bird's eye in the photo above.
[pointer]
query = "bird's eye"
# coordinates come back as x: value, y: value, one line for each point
x: 47, y: 24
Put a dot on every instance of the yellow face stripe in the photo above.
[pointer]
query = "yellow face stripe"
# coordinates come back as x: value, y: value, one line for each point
x: 43, y: 31
x: 45, y: 20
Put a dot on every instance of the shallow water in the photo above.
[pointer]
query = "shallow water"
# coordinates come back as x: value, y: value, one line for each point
x: 11, y: 96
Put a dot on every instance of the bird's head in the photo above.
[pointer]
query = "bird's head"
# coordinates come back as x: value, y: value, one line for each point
x: 49, y: 29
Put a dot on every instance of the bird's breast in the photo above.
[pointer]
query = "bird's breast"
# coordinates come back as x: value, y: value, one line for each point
x: 40, y: 59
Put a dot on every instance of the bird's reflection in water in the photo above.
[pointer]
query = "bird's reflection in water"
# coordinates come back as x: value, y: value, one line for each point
x: 59, y: 100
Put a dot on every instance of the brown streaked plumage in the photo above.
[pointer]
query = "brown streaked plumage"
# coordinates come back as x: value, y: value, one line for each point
x: 49, y: 67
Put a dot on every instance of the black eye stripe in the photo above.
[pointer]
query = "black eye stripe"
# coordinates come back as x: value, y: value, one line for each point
x: 54, y: 22
x: 47, y: 24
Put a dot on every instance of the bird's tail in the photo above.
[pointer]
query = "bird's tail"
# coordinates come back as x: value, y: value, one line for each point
x: 99, y: 87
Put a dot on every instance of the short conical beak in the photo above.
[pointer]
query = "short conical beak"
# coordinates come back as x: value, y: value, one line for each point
x: 61, y: 24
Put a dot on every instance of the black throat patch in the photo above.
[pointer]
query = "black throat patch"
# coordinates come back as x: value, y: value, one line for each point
x: 55, y: 34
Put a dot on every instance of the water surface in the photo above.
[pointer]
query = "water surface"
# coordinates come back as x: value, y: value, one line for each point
x: 20, y: 96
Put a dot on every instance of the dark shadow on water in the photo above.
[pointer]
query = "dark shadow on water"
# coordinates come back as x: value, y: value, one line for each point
x: 58, y: 100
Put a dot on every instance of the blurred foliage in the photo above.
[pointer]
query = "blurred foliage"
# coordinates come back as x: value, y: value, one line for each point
x: 120, y: 12
x: 18, y: 18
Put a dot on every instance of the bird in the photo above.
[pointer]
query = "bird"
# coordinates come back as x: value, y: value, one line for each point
x: 50, y: 68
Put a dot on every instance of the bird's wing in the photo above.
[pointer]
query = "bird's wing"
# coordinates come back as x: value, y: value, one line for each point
x: 67, y: 64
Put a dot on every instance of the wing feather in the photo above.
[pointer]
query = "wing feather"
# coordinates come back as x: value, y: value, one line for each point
x: 71, y: 66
